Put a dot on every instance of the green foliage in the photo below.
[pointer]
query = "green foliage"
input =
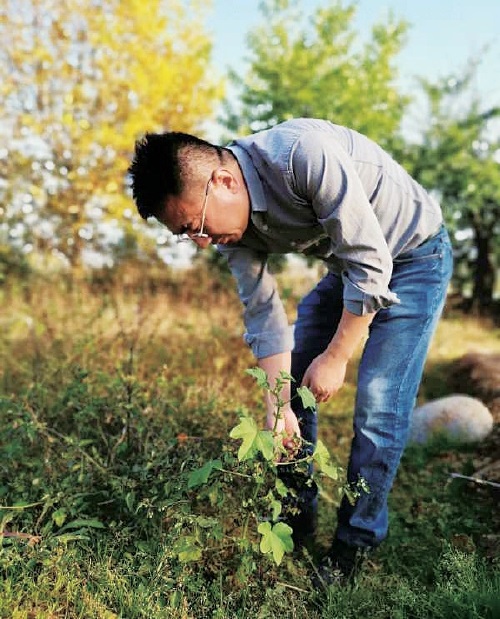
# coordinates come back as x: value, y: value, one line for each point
x: 276, y: 540
x: 352, y: 83
x: 260, y: 377
x: 254, y: 441
x: 461, y: 593
x: 321, y: 457
x: 457, y: 158
x: 13, y: 263
x: 200, y: 476
x: 306, y: 396
x: 267, y: 499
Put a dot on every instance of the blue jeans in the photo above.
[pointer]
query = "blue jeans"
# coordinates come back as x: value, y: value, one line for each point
x: 389, y: 375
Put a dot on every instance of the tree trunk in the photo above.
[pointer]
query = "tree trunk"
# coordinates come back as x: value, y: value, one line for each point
x: 484, y: 272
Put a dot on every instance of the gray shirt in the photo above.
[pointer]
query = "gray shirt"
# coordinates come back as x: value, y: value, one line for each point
x: 323, y: 190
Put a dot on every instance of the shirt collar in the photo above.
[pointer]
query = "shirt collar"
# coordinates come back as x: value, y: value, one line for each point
x: 254, y: 185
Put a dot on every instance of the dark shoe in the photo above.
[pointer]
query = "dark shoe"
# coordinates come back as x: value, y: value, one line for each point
x: 339, y: 566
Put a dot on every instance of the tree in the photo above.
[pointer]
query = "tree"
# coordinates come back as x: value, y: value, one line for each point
x: 318, y: 68
x: 79, y: 83
x: 458, y: 158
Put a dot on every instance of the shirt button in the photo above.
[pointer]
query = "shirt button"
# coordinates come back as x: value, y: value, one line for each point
x: 265, y: 227
x: 293, y: 244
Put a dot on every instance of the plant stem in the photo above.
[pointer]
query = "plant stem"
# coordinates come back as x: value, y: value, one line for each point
x: 476, y: 480
x: 14, y: 507
x: 247, y: 519
x: 235, y: 473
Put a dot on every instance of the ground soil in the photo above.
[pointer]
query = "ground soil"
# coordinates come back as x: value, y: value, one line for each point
x: 478, y: 375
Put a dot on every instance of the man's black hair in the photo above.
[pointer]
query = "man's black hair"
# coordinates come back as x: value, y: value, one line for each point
x: 162, y: 162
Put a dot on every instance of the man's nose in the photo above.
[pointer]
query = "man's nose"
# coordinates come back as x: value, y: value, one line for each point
x: 202, y: 242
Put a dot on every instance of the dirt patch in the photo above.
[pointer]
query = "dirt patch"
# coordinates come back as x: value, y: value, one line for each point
x: 478, y: 375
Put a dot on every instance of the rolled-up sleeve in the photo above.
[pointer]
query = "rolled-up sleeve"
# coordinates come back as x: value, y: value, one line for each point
x: 325, y: 177
x: 360, y: 303
x: 267, y: 329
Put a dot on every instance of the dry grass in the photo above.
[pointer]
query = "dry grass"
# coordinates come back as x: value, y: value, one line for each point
x: 189, y: 326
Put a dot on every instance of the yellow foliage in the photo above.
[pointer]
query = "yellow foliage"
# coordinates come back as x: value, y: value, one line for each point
x: 89, y: 78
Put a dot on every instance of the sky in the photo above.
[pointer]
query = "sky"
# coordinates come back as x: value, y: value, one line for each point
x: 443, y: 36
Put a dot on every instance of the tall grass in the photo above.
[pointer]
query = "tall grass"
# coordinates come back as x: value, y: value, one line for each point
x: 112, y: 395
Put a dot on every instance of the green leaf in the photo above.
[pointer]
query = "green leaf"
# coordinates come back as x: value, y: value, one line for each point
x: 59, y: 516
x: 260, y: 376
x: 206, y: 523
x: 276, y: 540
x: 72, y: 537
x: 253, y: 439
x: 130, y: 500
x: 331, y: 471
x: 281, y: 488
x: 321, y: 457
x: 264, y: 443
x: 307, y: 397
x: 276, y: 507
x: 82, y: 523
x: 187, y: 549
x: 286, y: 376
x: 85, y: 442
x: 200, y: 476
x: 246, y: 430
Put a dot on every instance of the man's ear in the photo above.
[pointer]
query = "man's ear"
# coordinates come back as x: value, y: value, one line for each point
x: 222, y: 177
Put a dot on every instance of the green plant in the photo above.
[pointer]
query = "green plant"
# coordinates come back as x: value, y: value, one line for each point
x: 252, y: 473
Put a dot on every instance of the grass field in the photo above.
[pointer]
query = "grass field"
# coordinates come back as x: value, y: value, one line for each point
x: 111, y: 396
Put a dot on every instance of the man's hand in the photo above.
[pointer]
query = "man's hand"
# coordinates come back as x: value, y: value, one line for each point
x: 325, y: 376
x: 287, y: 426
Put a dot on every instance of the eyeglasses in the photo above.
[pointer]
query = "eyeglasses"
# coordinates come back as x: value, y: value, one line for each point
x: 190, y: 236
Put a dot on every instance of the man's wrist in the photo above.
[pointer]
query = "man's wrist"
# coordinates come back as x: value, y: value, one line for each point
x: 338, y: 353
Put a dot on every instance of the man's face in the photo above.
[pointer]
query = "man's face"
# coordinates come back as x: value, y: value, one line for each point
x: 220, y: 214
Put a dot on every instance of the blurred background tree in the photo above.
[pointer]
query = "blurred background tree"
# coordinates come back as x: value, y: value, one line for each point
x: 458, y: 157
x: 318, y: 67
x: 80, y: 81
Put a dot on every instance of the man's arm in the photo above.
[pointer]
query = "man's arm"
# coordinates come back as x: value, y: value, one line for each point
x: 325, y: 176
x: 326, y: 374
x: 268, y: 331
x: 324, y: 377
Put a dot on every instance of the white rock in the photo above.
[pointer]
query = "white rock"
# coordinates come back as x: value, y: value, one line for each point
x: 458, y: 417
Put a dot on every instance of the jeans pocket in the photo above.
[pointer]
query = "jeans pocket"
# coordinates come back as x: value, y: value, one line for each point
x: 430, y: 250
x: 405, y: 258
